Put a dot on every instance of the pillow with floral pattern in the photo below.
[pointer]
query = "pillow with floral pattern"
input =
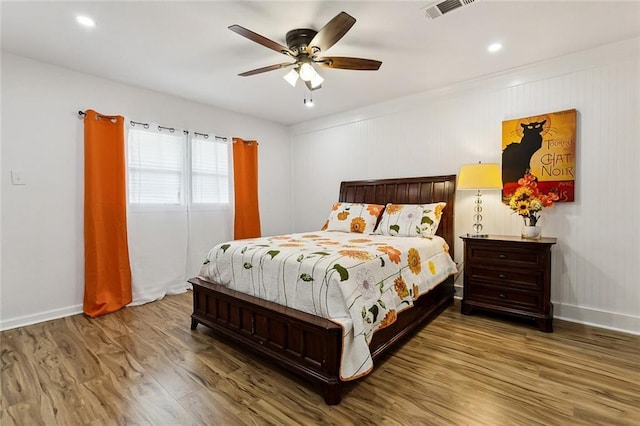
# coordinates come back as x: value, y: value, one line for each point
x: 411, y: 220
x: 353, y: 217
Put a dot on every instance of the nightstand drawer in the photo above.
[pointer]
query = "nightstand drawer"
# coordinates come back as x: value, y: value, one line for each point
x: 526, y: 279
x: 503, y: 297
x: 505, y: 256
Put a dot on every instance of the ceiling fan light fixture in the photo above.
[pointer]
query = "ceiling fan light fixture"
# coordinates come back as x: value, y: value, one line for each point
x: 292, y: 77
x: 307, y: 72
x: 316, y: 81
x: 304, y: 46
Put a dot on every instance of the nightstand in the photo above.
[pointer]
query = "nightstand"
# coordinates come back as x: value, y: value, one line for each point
x: 509, y: 275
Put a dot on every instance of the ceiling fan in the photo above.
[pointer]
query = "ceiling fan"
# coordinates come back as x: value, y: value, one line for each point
x: 305, y: 46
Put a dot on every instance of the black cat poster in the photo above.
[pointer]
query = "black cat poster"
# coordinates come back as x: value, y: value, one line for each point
x: 543, y: 145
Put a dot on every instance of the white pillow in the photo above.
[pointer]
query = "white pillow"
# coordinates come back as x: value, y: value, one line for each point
x: 353, y: 217
x: 411, y: 220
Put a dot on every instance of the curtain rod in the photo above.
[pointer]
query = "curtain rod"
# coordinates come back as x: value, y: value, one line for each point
x: 111, y: 117
x: 160, y: 128
x: 244, y: 141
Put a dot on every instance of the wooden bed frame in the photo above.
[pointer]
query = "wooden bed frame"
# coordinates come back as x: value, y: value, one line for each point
x: 311, y: 346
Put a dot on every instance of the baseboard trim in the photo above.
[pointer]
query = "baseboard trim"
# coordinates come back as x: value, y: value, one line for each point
x: 592, y: 317
x: 572, y: 313
x: 25, y: 320
x: 597, y: 318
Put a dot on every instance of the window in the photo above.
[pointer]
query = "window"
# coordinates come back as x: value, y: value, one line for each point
x: 159, y: 173
x: 209, y: 170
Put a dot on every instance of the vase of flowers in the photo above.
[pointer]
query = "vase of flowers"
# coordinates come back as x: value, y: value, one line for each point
x: 528, y: 202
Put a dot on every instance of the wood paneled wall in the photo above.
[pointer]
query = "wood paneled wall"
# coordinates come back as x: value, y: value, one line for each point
x: 595, y: 264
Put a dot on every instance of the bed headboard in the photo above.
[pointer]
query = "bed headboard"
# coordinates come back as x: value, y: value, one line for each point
x: 415, y: 190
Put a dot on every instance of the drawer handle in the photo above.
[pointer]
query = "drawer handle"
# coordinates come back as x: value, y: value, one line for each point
x: 502, y: 276
x: 502, y: 296
x: 502, y: 256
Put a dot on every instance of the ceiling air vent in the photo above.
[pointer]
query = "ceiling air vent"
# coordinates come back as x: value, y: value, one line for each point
x: 436, y: 10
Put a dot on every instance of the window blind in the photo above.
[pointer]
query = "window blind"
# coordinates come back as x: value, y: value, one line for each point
x: 156, y: 166
x: 209, y: 170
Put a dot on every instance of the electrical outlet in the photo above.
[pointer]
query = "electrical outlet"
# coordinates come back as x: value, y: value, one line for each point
x: 17, y: 178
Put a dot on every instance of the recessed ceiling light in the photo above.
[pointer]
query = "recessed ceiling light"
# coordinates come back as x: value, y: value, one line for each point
x: 494, y: 47
x: 85, y: 21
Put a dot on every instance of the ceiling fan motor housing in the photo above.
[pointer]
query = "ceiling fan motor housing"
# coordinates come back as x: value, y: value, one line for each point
x: 299, y: 39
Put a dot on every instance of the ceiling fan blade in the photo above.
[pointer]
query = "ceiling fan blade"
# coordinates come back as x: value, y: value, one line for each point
x: 265, y: 69
x: 349, y: 63
x: 255, y: 37
x: 331, y: 33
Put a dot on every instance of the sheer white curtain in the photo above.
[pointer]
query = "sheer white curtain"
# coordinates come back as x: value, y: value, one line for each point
x: 211, y: 207
x: 178, y: 192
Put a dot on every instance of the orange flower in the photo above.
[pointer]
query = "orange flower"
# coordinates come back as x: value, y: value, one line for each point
x: 528, y: 201
x: 400, y: 285
x: 358, y: 224
x: 336, y: 206
x: 432, y: 268
x: 392, y: 252
x: 416, y: 292
x: 413, y: 259
x: 356, y: 254
x: 393, y: 208
x: 389, y: 319
x: 374, y: 209
x: 438, y: 211
x: 359, y: 240
x: 329, y: 243
x: 310, y: 236
x: 325, y: 226
x: 343, y: 215
x: 528, y: 180
x: 547, y: 200
x: 445, y: 247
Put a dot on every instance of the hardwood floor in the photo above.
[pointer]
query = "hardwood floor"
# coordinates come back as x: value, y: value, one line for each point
x: 143, y: 365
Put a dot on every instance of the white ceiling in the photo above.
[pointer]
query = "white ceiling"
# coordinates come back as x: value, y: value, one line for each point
x: 185, y: 49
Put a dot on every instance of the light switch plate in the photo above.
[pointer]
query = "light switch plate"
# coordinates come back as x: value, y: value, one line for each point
x: 17, y: 178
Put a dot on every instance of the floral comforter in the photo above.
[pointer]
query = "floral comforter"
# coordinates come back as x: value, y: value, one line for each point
x: 358, y: 282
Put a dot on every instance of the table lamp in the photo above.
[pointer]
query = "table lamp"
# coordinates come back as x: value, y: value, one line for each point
x: 477, y: 177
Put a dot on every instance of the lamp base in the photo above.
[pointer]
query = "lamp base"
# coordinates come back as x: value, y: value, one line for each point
x: 477, y: 235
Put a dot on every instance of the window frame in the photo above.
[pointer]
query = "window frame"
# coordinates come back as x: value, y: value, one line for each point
x: 186, y: 203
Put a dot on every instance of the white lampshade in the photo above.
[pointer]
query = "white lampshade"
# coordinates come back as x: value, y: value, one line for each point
x: 316, y: 81
x: 307, y: 72
x: 291, y: 77
x: 480, y: 176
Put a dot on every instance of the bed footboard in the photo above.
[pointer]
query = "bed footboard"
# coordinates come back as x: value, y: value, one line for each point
x: 304, y: 344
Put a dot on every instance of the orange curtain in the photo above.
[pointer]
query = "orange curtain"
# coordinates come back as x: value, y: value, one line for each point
x: 245, y: 187
x: 107, y: 274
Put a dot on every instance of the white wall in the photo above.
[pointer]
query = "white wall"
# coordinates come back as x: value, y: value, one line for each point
x: 596, y: 262
x: 42, y: 221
